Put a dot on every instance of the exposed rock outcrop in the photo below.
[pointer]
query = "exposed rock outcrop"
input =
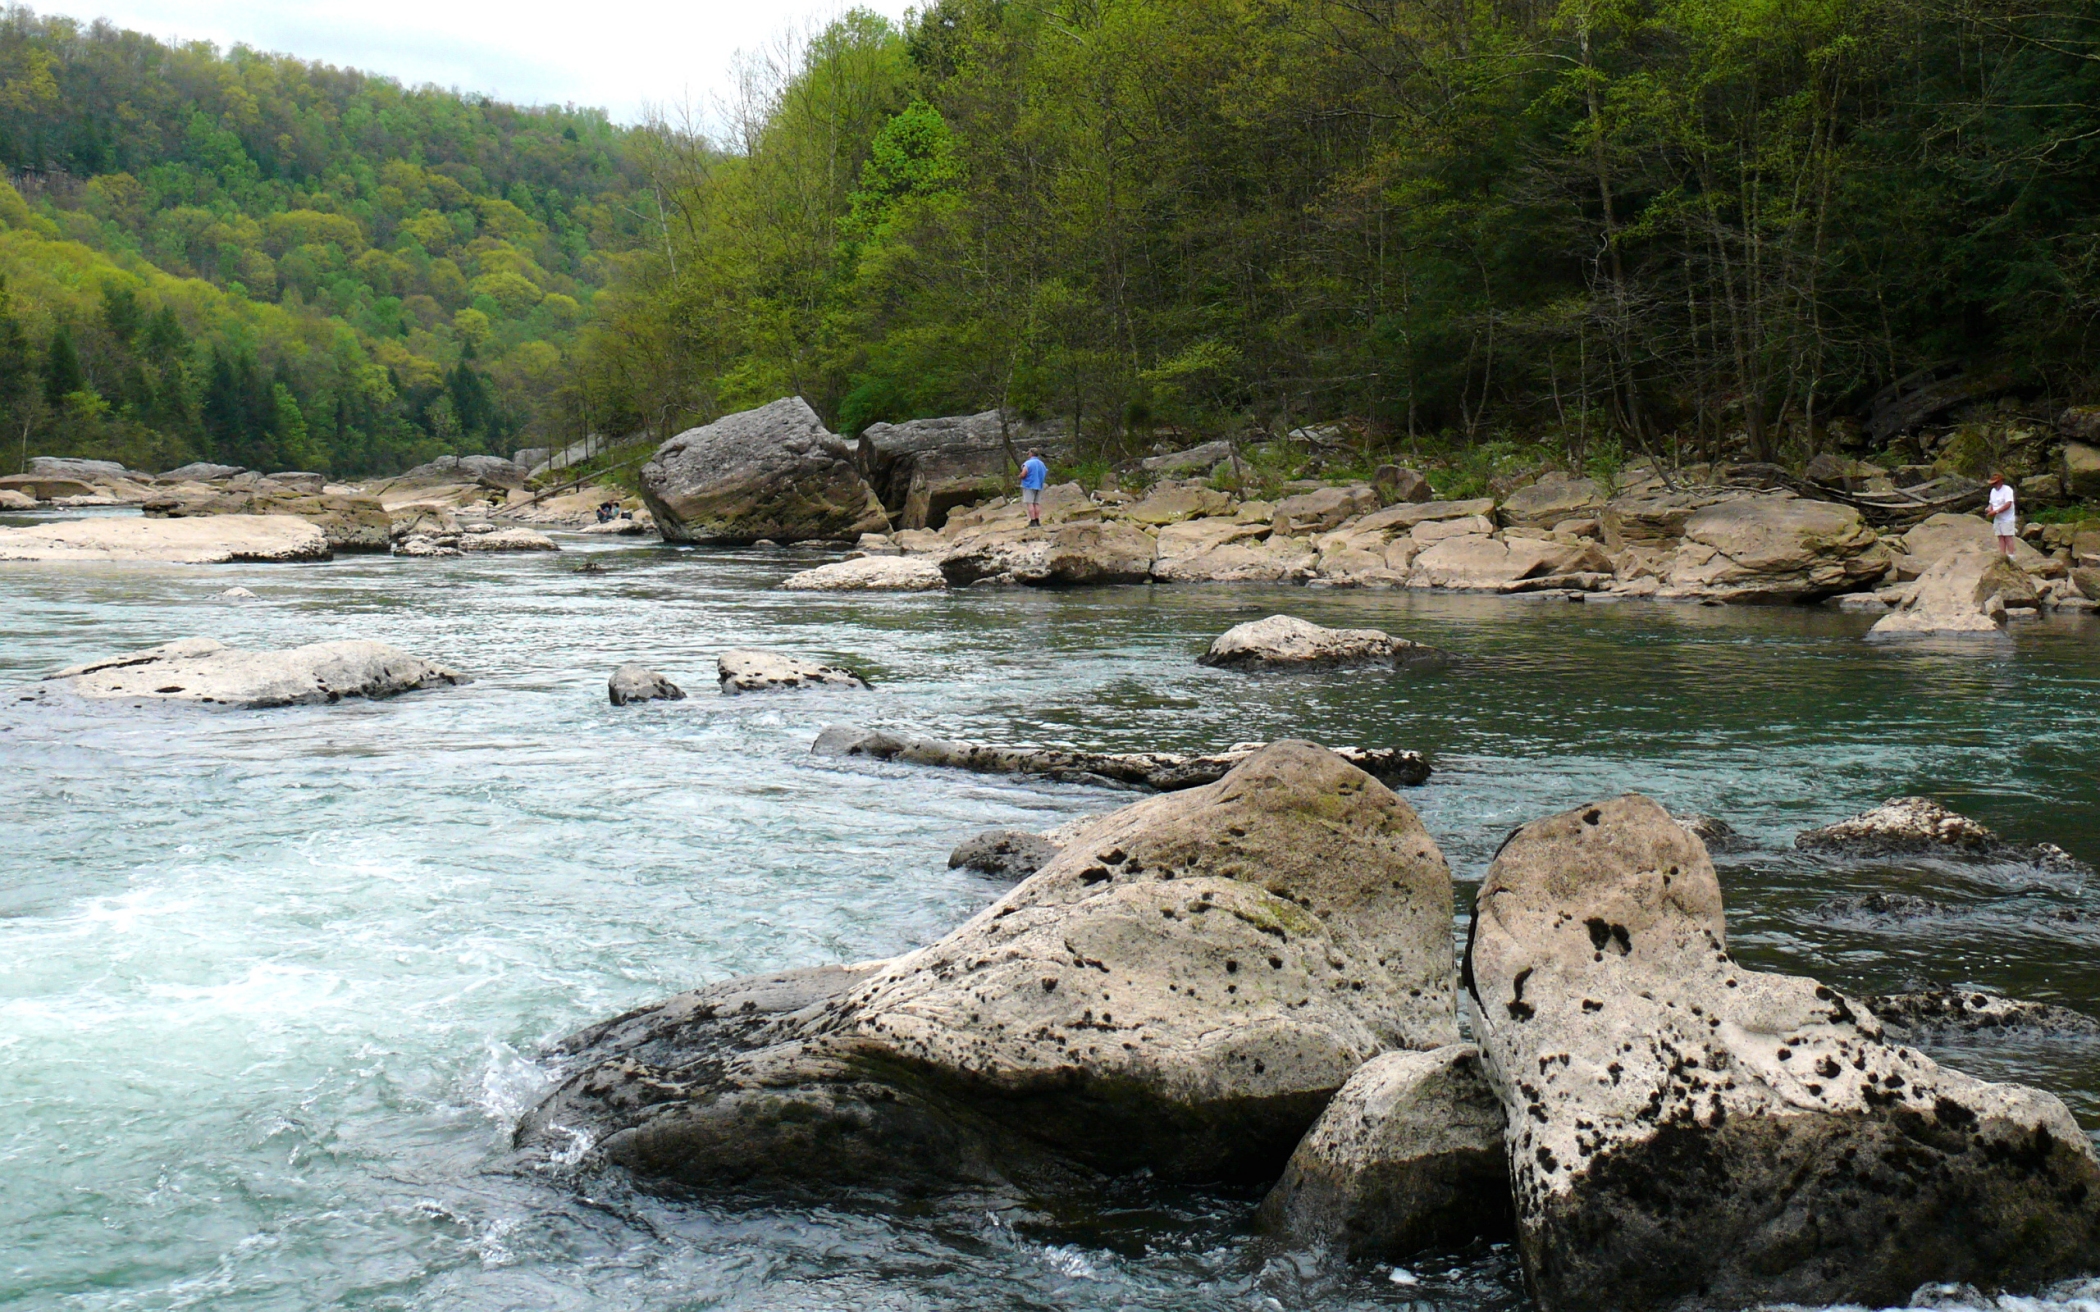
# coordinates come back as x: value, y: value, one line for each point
x: 1775, y: 548
x: 753, y: 669
x: 1686, y: 1133
x: 1181, y: 993
x: 508, y: 539
x: 1005, y: 853
x: 202, y: 671
x: 1408, y: 1156
x: 924, y: 468
x: 349, y: 523
x: 1553, y: 499
x: 775, y: 472
x: 1919, y: 826
x: 212, y: 540
x: 1075, y: 553
x: 1284, y: 642
x: 1952, y: 1013
x: 1165, y: 771
x: 639, y: 683
x: 870, y: 574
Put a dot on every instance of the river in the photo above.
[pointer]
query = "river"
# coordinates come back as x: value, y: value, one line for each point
x: 272, y: 983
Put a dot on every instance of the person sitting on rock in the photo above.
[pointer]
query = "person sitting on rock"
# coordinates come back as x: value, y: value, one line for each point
x: 2000, y: 510
x: 606, y: 511
x: 1034, y: 473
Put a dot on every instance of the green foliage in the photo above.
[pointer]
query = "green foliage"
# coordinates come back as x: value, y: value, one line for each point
x: 186, y: 222
x: 1709, y: 226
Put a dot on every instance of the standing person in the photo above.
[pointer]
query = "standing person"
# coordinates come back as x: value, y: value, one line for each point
x: 2001, y: 512
x: 1034, y: 473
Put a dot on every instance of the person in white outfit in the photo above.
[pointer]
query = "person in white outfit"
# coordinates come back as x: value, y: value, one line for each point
x: 2000, y: 510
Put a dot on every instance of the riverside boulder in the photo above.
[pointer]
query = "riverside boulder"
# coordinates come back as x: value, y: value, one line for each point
x: 869, y: 574
x: 1686, y: 1133
x: 202, y: 671
x: 1919, y: 826
x: 1180, y: 992
x: 1086, y: 552
x: 1285, y: 642
x: 775, y: 472
x: 1408, y: 1156
x: 1776, y: 547
x: 1955, y: 595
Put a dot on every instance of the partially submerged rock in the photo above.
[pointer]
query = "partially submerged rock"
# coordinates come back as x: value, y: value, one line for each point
x: 1182, y: 994
x: 639, y: 683
x: 752, y: 669
x: 200, y: 670
x: 1407, y: 1156
x: 349, y: 523
x: 775, y: 472
x: 870, y: 574
x: 1883, y: 906
x: 209, y: 541
x: 1284, y: 642
x: 507, y: 539
x: 1006, y: 853
x: 1165, y: 771
x: 1075, y: 553
x: 1949, y: 1012
x: 1686, y: 1133
x: 1919, y: 826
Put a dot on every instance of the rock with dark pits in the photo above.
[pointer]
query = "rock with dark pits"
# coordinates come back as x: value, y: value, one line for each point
x: 1686, y: 1133
x: 1883, y: 906
x: 639, y: 683
x: 1951, y: 1012
x: 1181, y: 993
x: 1005, y: 853
x: 1919, y: 826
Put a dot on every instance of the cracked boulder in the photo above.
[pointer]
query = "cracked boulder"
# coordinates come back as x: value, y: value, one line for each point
x: 1408, y: 1156
x: 1181, y: 990
x: 1687, y: 1133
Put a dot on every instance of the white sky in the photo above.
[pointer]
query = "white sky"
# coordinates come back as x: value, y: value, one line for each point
x: 615, y: 56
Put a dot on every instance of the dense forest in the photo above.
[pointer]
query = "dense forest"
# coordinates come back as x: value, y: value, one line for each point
x: 249, y: 258
x: 1700, y: 225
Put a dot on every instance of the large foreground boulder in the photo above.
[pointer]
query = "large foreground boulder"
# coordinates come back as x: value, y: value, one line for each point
x: 202, y: 671
x: 1165, y: 771
x: 209, y: 541
x: 1686, y: 1133
x: 1919, y: 826
x: 1965, y: 591
x: 352, y: 522
x: 1181, y: 991
x: 1285, y: 642
x: 775, y: 472
x: 1408, y: 1156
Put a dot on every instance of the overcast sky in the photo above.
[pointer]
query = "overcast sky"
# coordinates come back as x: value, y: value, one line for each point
x: 616, y: 56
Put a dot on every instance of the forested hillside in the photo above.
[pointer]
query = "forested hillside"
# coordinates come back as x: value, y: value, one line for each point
x: 249, y: 258
x: 1707, y: 224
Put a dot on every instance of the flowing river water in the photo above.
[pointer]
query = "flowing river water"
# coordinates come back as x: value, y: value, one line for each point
x: 272, y: 984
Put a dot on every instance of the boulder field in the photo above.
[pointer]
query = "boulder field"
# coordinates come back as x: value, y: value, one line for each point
x: 1252, y: 981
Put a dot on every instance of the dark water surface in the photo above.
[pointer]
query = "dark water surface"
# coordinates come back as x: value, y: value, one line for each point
x: 271, y: 983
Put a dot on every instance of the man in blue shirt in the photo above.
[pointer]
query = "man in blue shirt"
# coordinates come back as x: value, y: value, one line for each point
x: 1033, y: 475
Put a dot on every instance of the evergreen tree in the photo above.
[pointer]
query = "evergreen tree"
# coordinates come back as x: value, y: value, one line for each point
x: 18, y: 395
x: 62, y: 373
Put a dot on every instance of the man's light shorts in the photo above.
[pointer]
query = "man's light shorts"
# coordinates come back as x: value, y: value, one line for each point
x: 1031, y: 495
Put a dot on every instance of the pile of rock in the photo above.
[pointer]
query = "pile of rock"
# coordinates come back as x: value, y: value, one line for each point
x: 1252, y: 980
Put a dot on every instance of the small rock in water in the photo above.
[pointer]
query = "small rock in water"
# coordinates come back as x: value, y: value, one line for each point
x: 639, y: 683
x: 199, y: 670
x: 236, y: 594
x: 1919, y: 826
x: 1716, y: 833
x: 1402, y: 1276
x: 1946, y: 1012
x: 752, y: 669
x: 765, y: 542
x: 870, y: 574
x: 1892, y: 906
x: 1284, y: 642
x: 1007, y: 853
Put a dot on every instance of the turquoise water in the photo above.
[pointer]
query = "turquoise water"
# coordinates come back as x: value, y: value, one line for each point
x: 272, y: 983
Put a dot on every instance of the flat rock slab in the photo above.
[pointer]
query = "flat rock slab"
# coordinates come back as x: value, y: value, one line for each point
x: 1955, y: 596
x: 1181, y: 993
x: 200, y: 670
x: 753, y: 669
x: 870, y: 574
x: 639, y: 683
x: 1164, y: 771
x: 1005, y: 853
x: 1688, y: 1133
x: 1408, y: 1156
x: 1919, y: 826
x: 212, y: 540
x: 508, y: 539
x: 1284, y: 642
